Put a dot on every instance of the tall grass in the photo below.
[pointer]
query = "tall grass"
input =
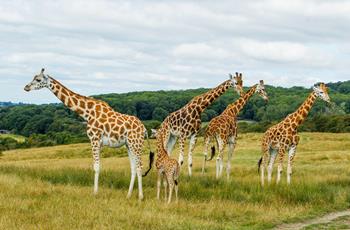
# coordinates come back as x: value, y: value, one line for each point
x: 51, y: 188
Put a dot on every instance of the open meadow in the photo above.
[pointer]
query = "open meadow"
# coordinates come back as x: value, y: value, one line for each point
x: 51, y: 188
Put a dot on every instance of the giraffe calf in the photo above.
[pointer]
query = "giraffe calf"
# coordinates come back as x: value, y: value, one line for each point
x: 168, y: 169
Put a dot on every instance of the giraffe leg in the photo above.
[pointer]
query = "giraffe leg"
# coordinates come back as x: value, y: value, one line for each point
x: 263, y: 164
x: 231, y: 148
x: 176, y: 192
x: 219, y: 160
x: 206, y: 141
x: 281, y: 152
x: 171, y: 143
x: 273, y: 154
x: 291, y: 154
x: 159, y: 184
x: 133, y: 173
x: 165, y: 184
x: 171, y: 187
x: 96, y: 148
x: 182, y: 149
x: 193, y: 141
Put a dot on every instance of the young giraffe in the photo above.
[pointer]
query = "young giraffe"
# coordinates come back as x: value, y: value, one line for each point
x: 104, y: 126
x: 186, y: 121
x: 167, y: 167
x: 223, y: 129
x: 283, y: 136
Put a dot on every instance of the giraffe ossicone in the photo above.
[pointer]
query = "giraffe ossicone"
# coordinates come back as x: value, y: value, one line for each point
x: 283, y: 137
x: 104, y: 126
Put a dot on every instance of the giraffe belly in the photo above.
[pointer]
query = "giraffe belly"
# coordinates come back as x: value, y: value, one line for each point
x: 112, y: 142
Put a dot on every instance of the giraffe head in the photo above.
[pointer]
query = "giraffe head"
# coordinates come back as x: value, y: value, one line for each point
x: 321, y: 91
x: 260, y: 89
x: 237, y: 83
x: 40, y: 81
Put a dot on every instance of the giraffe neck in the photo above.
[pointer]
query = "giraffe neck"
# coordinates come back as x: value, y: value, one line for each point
x: 206, y: 99
x: 161, y: 152
x: 301, y: 113
x: 233, y: 109
x: 73, y: 101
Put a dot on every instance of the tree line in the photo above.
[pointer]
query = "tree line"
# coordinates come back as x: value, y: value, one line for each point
x: 52, y: 124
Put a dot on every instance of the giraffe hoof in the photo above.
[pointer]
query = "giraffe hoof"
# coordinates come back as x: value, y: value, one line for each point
x: 181, y: 163
x: 191, y: 165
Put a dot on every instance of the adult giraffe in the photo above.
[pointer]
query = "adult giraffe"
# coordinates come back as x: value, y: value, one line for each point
x: 223, y: 129
x: 283, y: 136
x: 186, y: 122
x: 104, y: 126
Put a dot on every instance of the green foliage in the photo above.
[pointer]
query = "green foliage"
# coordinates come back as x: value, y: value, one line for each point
x: 53, y: 124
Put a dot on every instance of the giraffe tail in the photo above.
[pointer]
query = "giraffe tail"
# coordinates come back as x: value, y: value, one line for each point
x: 151, y: 155
x: 259, y: 164
x: 212, y: 153
x: 151, y: 159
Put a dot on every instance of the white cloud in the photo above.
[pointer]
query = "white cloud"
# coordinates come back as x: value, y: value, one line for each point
x: 119, y: 46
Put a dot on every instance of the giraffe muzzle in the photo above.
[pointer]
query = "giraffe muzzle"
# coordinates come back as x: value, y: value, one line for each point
x: 27, y: 88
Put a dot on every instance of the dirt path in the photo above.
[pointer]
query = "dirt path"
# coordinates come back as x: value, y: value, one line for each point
x: 320, y: 220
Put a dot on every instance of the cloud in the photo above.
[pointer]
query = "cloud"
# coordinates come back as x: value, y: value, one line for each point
x: 107, y: 46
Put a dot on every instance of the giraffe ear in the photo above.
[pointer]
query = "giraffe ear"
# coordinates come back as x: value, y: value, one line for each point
x: 230, y: 75
x: 261, y: 82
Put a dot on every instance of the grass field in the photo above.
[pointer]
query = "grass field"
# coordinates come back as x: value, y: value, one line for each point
x: 51, y: 188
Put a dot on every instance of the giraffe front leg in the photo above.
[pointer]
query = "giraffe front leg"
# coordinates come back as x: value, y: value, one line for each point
x: 281, y: 152
x: 193, y: 141
x: 159, y: 184
x: 291, y: 154
x: 206, y: 141
x: 96, y: 148
x: 182, y: 150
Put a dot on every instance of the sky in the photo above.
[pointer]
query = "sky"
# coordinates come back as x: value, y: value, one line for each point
x: 96, y: 47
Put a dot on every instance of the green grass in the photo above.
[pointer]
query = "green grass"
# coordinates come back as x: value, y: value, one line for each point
x: 18, y: 138
x: 51, y: 188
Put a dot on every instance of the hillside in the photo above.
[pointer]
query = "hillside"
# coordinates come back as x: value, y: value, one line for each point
x: 60, y: 125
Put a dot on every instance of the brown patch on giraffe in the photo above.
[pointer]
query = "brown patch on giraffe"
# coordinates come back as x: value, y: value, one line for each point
x: 64, y: 91
x: 63, y: 98
x: 98, y: 107
x: 90, y: 104
x: 79, y: 111
x: 107, y: 127
x: 82, y: 104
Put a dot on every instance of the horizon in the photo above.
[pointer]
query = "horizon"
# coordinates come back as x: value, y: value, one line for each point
x: 98, y: 47
x: 168, y: 90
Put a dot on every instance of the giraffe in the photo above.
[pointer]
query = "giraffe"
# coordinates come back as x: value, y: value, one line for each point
x: 186, y: 122
x: 167, y: 167
x: 223, y: 129
x: 105, y: 127
x: 283, y: 136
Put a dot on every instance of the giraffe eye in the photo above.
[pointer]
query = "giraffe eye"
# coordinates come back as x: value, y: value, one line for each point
x: 37, y: 80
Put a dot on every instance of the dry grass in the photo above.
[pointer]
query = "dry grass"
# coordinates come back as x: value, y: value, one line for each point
x: 51, y: 188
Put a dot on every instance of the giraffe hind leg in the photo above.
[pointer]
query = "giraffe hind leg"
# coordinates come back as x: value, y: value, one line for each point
x: 133, y: 173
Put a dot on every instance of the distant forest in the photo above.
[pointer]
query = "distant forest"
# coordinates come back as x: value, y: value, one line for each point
x: 51, y: 124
